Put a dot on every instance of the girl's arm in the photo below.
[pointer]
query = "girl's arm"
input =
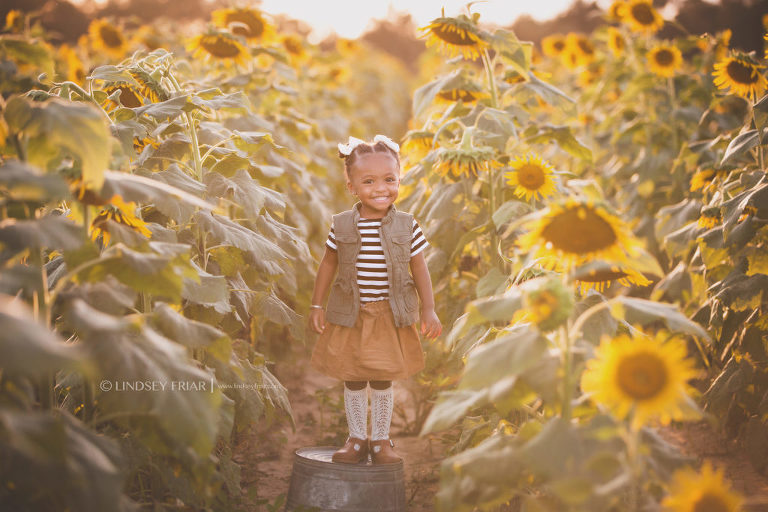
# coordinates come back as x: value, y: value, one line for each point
x: 430, y: 324
x: 325, y: 273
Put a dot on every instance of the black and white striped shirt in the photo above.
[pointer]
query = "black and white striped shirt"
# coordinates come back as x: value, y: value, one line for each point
x: 371, y: 265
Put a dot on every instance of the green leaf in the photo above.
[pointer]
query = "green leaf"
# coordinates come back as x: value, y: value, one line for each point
x: 518, y: 54
x: 111, y: 73
x: 57, y: 129
x: 216, y: 100
x: 52, y: 231
x: 452, y: 406
x: 188, y: 332
x: 55, y: 458
x: 425, y: 95
x: 509, y: 355
x: 28, y: 348
x: 642, y: 311
x: 741, y: 144
x: 174, y: 418
x: 564, y: 138
x: 510, y: 210
x: 245, y: 192
x: 497, y: 308
x: 23, y: 183
x: 166, y: 110
x: 266, y: 255
x: 549, y: 93
x: 158, y: 273
x: 269, y: 308
x: 27, y: 51
x: 170, y: 200
x: 207, y: 290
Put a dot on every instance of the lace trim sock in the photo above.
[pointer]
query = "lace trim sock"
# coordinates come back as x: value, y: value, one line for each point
x: 382, y: 401
x: 356, y: 407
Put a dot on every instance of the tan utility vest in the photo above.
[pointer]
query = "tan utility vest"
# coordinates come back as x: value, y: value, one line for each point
x: 396, y: 234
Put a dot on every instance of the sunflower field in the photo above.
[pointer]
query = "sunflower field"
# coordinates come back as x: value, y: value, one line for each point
x: 597, y: 211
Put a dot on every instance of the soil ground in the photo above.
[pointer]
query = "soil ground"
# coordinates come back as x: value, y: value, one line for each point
x: 266, y: 453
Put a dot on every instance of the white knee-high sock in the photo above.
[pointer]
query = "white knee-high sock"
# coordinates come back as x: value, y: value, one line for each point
x: 382, y: 401
x: 356, y: 407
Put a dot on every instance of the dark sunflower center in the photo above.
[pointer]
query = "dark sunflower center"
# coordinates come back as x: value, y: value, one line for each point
x: 710, y: 503
x: 664, y: 58
x: 255, y: 25
x: 598, y: 276
x: 741, y: 72
x: 643, y: 14
x: 128, y: 96
x: 642, y: 376
x: 531, y: 176
x: 558, y: 46
x: 292, y: 46
x: 452, y: 34
x: 586, y: 47
x: 220, y: 47
x: 618, y: 42
x: 110, y: 36
x: 579, y: 230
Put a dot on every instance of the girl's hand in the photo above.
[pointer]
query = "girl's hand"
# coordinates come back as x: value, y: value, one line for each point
x: 317, y: 320
x: 430, y: 324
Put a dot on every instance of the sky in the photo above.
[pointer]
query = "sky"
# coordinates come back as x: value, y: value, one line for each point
x: 350, y: 18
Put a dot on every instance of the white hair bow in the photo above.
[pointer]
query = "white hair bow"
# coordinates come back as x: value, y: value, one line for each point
x: 353, y: 142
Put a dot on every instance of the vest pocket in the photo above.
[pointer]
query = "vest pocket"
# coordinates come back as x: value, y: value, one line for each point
x: 346, y: 245
x: 401, y: 247
x: 410, y: 296
x: 340, y: 297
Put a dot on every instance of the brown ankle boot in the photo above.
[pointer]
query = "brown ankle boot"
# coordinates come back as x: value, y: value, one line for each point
x: 354, y: 451
x: 382, y: 452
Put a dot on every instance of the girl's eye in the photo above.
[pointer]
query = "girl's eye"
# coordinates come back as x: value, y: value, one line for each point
x: 367, y: 182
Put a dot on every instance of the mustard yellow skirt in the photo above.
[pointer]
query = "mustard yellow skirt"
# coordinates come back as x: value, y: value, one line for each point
x: 374, y: 349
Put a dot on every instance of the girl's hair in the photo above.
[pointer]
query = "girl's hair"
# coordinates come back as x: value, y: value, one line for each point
x: 379, y: 147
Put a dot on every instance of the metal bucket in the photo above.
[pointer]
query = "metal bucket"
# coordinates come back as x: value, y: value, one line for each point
x: 322, y: 485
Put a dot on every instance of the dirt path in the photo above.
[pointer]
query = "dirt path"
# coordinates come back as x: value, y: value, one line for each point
x: 266, y: 453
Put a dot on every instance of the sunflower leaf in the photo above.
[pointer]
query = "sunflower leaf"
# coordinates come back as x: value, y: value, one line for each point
x: 22, y: 182
x: 425, y: 95
x: 52, y: 231
x: 57, y: 129
x: 741, y: 144
x: 564, y: 138
x: 452, y: 406
x: 642, y: 311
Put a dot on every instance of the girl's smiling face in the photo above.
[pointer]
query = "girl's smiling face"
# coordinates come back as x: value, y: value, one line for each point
x: 375, y: 179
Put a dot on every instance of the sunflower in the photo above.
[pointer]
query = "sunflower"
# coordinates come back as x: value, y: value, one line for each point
x: 219, y: 45
x: 139, y: 143
x: 710, y: 218
x: 294, y: 45
x: 664, y: 60
x: 599, y: 276
x: 617, y: 10
x: 741, y: 75
x: 512, y: 77
x: 417, y: 144
x: 151, y: 88
x: 130, y: 95
x: 247, y: 22
x: 75, y: 71
x: 121, y: 212
x: 581, y: 46
x: 642, y: 17
x: 455, y: 36
x: 553, y: 45
x: 547, y: 303
x: 706, y: 179
x: 616, y: 42
x: 465, y: 161
x: 106, y: 36
x: 640, y: 375
x: 591, y: 74
x: 532, y: 177
x: 577, y: 231
x: 707, y: 491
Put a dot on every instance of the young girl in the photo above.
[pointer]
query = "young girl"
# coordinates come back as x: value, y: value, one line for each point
x: 368, y: 329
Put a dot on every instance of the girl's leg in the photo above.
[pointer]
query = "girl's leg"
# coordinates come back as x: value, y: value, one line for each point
x: 382, y: 402
x: 355, y: 450
x: 356, y: 407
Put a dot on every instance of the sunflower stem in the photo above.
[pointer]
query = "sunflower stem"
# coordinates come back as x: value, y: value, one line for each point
x: 192, y: 130
x: 566, y: 342
x: 759, y: 129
